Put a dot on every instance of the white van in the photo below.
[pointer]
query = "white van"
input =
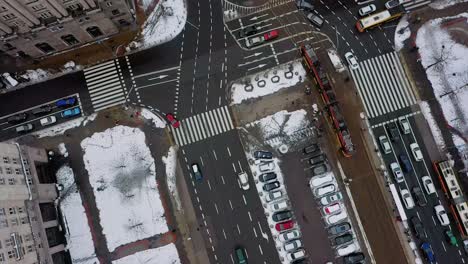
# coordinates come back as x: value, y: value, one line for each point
x: 346, y: 250
x: 321, y: 180
x: 333, y: 219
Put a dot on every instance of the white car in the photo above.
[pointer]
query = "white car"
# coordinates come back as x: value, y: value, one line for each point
x: 336, y: 218
x: 397, y: 172
x: 244, y: 180
x: 293, y: 234
x: 364, y: 11
x: 48, y: 120
x: 332, y: 209
x: 404, y: 125
x: 300, y: 254
x: 281, y: 205
x: 417, y: 154
x: 322, y: 191
x: 254, y: 41
x: 385, y: 144
x: 346, y: 250
x: 392, y: 3
x: 273, y: 196
x: 326, y: 200
x: 292, y: 245
x: 407, y: 199
x: 352, y: 61
x: 441, y: 215
x: 266, y: 166
x: 428, y: 184
x: 321, y: 180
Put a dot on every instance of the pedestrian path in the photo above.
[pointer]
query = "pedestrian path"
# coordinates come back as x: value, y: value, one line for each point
x: 412, y: 4
x: 203, y: 126
x: 105, y: 85
x: 382, y: 85
x: 233, y: 10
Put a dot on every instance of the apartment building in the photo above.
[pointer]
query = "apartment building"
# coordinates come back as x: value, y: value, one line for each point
x: 29, y: 227
x: 38, y: 28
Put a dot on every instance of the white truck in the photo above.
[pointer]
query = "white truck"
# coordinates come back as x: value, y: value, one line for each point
x: 335, y: 59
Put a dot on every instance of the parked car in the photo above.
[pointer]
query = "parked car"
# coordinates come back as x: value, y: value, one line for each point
x: 419, y: 196
x: 320, y: 169
x: 241, y: 256
x: 339, y: 229
x: 281, y: 205
x: 392, y: 130
x: 404, y: 125
x: 441, y: 215
x: 244, y: 180
x: 292, y: 245
x: 312, y: 149
x: 314, y: 19
x: 24, y: 128
x: 428, y: 184
x: 254, y: 41
x: 8, y: 79
x: 354, y: 258
x: 248, y: 31
x: 172, y: 120
x: 42, y: 110
x: 290, y: 235
x: 66, y: 102
x: 266, y: 166
x: 395, y: 168
x: 332, y: 209
x: 428, y: 253
x: 261, y: 154
x: 48, y: 120
x: 336, y: 218
x: 265, y: 177
x: 343, y: 239
x: 385, y: 144
x: 280, y: 227
x: 317, y: 159
x: 270, y: 186
x: 406, y: 163
x: 407, y: 199
x: 392, y: 3
x: 326, y: 200
x: 272, y: 196
x: 300, y: 254
x: 18, y: 118
x: 196, y: 172
x: 366, y: 10
x: 304, y: 5
x: 318, y: 181
x: 417, y: 226
x: 346, y: 249
x: 352, y: 61
x: 322, y: 191
x: 282, y: 216
x: 71, y: 112
x: 417, y: 154
x: 270, y: 35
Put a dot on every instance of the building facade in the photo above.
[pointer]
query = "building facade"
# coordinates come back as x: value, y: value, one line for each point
x: 38, y: 28
x: 29, y: 227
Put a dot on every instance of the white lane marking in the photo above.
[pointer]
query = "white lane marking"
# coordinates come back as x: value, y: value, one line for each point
x: 201, y: 160
x: 240, y: 166
x: 250, y: 216
x: 229, y: 151
x: 209, y: 185
x: 214, y: 154
x: 222, y: 179
x: 216, y: 207
x: 445, y: 249
x: 238, y: 229
x: 255, y: 231
x: 433, y: 220
x: 260, y: 247
x: 224, y: 233
x: 230, y: 203
x: 232, y: 259
x: 245, y: 201
x: 234, y: 167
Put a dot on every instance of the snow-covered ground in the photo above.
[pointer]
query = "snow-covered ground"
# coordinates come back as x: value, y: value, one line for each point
x: 441, y: 4
x: 162, y: 255
x: 426, y: 111
x: 63, y: 150
x: 78, y: 234
x: 157, y: 121
x: 62, y: 127
x: 122, y: 173
x: 447, y: 70
x: 267, y: 82
x: 402, y: 32
x: 171, y: 162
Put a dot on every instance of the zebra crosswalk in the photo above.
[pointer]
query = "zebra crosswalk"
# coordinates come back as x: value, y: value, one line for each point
x: 412, y: 4
x: 105, y: 85
x: 382, y: 85
x: 202, y: 126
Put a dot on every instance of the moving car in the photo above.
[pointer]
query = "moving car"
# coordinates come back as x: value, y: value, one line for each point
x: 451, y: 238
x: 273, y: 196
x: 336, y: 218
x: 427, y: 252
x: 312, y: 149
x: 393, y: 132
x: 265, y: 177
x: 352, y: 61
x: 71, y: 112
x: 419, y: 196
x: 339, y: 229
x: 42, y: 110
x: 406, y: 164
x: 354, y: 258
x: 395, y: 168
x: 407, y: 199
x: 326, y: 200
x: 304, y: 5
x: 317, y: 159
x: 196, y: 172
x: 280, y: 227
x: 314, y: 19
x: 281, y: 205
x: 48, y: 120
x: 327, y: 189
x: 266, y: 166
x: 418, y: 227
x: 172, y: 120
x: 271, y: 186
x: 340, y: 240
x: 18, y: 118
x: 66, y: 102
x: 417, y: 154
x: 404, y: 125
x: 300, y: 254
x: 392, y: 3
x: 332, y: 209
x: 24, y: 128
x: 241, y: 257
x: 366, y: 10
x: 441, y: 215
x: 244, y: 180
x: 318, y: 181
x: 428, y: 184
x: 248, y: 31
x: 282, y: 216
x: 293, y: 234
x: 346, y: 250
x: 385, y: 145
x: 260, y: 154
x: 292, y: 245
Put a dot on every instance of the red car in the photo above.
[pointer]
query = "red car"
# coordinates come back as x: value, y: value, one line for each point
x: 172, y: 120
x: 280, y: 227
x: 271, y: 35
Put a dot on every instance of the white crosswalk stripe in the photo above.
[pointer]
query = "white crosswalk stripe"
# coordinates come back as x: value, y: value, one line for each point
x: 203, y: 126
x: 412, y: 4
x: 382, y: 85
x: 105, y: 85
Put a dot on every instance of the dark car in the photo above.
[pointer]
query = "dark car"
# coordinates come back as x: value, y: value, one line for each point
x: 392, y: 131
x: 339, y: 229
x: 354, y: 258
x: 66, y: 102
x: 42, y: 110
x: 196, y: 172
x: 405, y: 163
x: 319, y: 169
x: 282, y: 216
x: 260, y: 154
x: 267, y: 176
x: 248, y: 31
x: 317, y: 159
x: 428, y: 253
x: 417, y: 226
x: 241, y: 257
x: 419, y: 196
x: 340, y: 240
x: 271, y: 186
x: 304, y: 5
x: 15, y: 119
x: 311, y: 149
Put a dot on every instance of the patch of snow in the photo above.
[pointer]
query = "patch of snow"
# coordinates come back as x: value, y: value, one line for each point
x: 171, y: 162
x: 239, y: 92
x: 62, y: 150
x: 441, y: 4
x: 36, y: 75
x: 89, y: 118
x: 157, y: 121
x: 78, y: 234
x: 122, y: 173
x: 162, y: 255
x: 60, y: 128
x: 426, y: 111
x: 402, y: 33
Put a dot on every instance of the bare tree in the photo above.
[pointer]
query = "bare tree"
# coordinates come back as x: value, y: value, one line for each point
x: 441, y: 57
